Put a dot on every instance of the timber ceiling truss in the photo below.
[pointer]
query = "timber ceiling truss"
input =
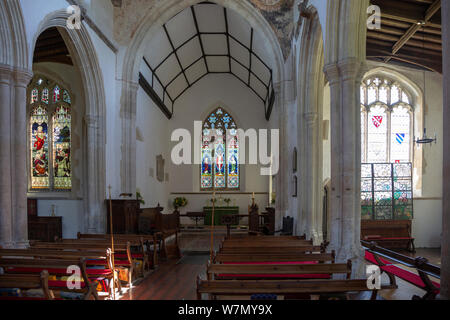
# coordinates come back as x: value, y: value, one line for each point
x: 262, y: 88
x: 410, y: 34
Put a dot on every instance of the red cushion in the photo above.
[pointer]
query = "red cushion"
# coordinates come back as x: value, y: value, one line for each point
x: 133, y: 255
x: 399, y: 272
x: 104, y: 263
x: 398, y: 238
x: 37, y: 270
x: 61, y: 284
x: 291, y: 276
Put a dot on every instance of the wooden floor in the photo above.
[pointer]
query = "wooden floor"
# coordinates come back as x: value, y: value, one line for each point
x: 176, y: 279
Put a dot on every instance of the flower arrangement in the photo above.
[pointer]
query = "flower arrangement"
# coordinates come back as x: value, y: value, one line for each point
x: 227, y: 201
x: 180, y: 202
x: 139, y: 197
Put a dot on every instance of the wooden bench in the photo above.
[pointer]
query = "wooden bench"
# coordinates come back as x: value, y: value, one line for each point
x: 93, y: 259
x: 153, y: 221
x: 265, y: 238
x: 122, y: 255
x: 135, y: 240
x: 277, y: 271
x: 216, y: 288
x: 55, y: 267
x: 276, y: 257
x: 391, y: 234
x: 273, y: 250
x: 385, y: 259
x: 265, y: 243
x: 23, y: 282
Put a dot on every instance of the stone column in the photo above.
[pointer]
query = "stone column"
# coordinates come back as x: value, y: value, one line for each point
x: 310, y: 176
x: 94, y: 218
x: 128, y: 114
x: 19, y: 158
x: 6, y: 221
x: 345, y: 211
x: 445, y: 246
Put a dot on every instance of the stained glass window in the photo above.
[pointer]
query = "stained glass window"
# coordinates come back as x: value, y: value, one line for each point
x: 220, y: 152
x: 61, y: 148
x: 386, y: 122
x: 377, y: 135
x: 45, y: 96
x: 39, y: 148
x: 56, y: 94
x: 50, y: 138
x: 34, y: 96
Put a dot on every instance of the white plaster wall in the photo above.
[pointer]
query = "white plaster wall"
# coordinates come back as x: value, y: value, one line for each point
x: 152, y: 140
x: 69, y: 210
x: 427, y: 223
x: 195, y: 105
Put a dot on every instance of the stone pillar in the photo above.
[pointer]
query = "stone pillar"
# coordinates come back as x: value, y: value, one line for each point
x: 345, y: 209
x: 128, y: 114
x: 445, y: 245
x: 6, y: 221
x: 311, y: 177
x: 95, y: 220
x: 19, y: 158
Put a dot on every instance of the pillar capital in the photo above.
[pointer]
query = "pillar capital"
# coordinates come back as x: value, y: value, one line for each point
x: 332, y: 73
x: 350, y: 69
x: 5, y: 74
x: 22, y: 77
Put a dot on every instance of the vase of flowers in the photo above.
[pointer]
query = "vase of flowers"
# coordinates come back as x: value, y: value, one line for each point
x: 180, y: 202
x: 227, y: 201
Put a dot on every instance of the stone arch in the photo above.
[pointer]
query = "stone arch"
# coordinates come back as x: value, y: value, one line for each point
x: 85, y: 60
x: 311, y: 83
x: 156, y: 16
x: 13, y: 42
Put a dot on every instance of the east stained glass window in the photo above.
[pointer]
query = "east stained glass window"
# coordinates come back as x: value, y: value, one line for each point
x: 50, y: 137
x: 386, y: 121
x: 220, y: 152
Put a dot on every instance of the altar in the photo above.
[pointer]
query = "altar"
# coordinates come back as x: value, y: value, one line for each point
x: 218, y: 213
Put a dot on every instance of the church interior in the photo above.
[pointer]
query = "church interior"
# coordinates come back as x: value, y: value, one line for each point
x: 224, y: 150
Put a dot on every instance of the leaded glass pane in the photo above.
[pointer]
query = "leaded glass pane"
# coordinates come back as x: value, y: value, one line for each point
x: 56, y: 94
x: 34, y: 96
x: 206, y: 176
x: 395, y: 94
x: 377, y: 135
x: 371, y: 95
x: 400, y: 135
x: 223, y: 171
x: 383, y: 93
x: 66, y: 97
x: 39, y: 148
x: 363, y: 135
x: 45, y: 96
x: 62, y: 148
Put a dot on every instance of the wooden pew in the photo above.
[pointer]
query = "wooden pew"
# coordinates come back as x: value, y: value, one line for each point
x: 282, y: 287
x: 56, y: 267
x: 391, y: 234
x: 265, y: 238
x: 93, y: 258
x: 147, y: 240
x: 273, y: 250
x: 378, y: 255
x: 276, y: 257
x: 277, y: 271
x: 137, y: 243
x: 120, y: 248
x: 153, y: 221
x: 265, y: 243
x: 26, y: 282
